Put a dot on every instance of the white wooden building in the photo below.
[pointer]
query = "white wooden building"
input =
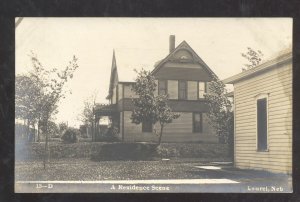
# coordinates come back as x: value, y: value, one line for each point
x: 263, y: 115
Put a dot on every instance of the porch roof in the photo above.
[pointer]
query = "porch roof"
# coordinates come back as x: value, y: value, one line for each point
x: 105, y: 109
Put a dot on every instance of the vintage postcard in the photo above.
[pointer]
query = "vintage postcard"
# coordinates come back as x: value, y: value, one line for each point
x: 153, y: 105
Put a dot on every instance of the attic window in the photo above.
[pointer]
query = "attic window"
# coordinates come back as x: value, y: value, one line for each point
x: 184, y: 57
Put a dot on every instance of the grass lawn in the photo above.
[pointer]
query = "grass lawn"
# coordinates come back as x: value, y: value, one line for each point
x: 85, y: 169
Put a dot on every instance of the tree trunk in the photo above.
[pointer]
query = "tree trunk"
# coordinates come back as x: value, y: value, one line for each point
x: 160, y: 134
x: 34, y: 132
x: 28, y: 130
x: 46, y: 155
x: 38, y: 131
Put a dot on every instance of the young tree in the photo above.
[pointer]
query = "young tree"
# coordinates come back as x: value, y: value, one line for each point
x: 220, y: 112
x: 164, y: 113
x: 51, y: 82
x: 253, y: 57
x: 62, y: 127
x: 87, y: 114
x: 148, y: 107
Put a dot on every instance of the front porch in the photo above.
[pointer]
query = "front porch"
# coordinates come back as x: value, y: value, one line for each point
x: 105, y: 110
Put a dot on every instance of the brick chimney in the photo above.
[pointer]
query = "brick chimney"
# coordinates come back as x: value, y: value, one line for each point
x: 172, y: 43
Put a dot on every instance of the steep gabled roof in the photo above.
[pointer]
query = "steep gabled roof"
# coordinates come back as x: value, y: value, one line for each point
x: 113, y: 77
x: 186, y: 46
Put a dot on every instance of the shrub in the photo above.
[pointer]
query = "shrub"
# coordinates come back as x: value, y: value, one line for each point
x: 110, y: 135
x: 71, y: 135
x: 126, y: 151
x: 165, y: 152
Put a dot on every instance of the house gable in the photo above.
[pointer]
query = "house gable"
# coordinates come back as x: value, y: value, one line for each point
x: 183, y: 64
x: 114, y: 79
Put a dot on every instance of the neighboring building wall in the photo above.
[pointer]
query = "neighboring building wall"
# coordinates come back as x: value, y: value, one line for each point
x: 277, y: 83
x: 180, y: 130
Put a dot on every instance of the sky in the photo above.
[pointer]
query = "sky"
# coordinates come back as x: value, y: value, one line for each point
x: 138, y: 43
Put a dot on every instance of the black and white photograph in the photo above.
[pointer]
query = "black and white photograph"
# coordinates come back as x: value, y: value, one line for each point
x: 153, y: 105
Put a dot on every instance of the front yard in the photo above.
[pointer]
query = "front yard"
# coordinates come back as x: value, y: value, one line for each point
x: 87, y: 170
x: 199, y: 177
x: 191, y: 164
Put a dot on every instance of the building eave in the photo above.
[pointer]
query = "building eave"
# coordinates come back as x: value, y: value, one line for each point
x: 260, y: 68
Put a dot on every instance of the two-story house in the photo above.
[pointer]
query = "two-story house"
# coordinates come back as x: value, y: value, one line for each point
x: 185, y: 77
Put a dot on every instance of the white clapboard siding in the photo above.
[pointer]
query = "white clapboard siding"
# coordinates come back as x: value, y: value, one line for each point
x: 180, y: 130
x: 277, y: 83
x: 114, y: 96
x: 128, y: 92
x: 120, y: 91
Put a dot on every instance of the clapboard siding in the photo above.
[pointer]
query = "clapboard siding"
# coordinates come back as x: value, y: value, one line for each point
x: 180, y: 130
x: 277, y: 84
x: 283, y: 73
x: 128, y: 92
x: 120, y: 92
x: 273, y: 86
x: 173, y: 89
x: 114, y: 96
x: 156, y: 88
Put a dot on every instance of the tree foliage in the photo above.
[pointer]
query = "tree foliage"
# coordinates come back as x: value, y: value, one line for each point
x: 27, y: 103
x: 71, y: 135
x: 220, y: 112
x: 51, y: 82
x: 87, y: 114
x: 39, y: 92
x: 253, y: 57
x: 148, y: 107
x: 62, y: 127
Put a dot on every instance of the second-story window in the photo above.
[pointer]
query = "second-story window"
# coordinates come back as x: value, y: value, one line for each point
x: 182, y: 90
x: 201, y: 89
x: 162, y: 87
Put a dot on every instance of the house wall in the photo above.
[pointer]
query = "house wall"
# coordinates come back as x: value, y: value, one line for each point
x: 277, y: 83
x: 120, y: 91
x: 114, y: 96
x: 180, y: 130
x: 192, y: 90
x: 121, y: 125
x: 128, y: 92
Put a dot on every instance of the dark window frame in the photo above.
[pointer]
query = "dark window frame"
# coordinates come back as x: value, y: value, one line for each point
x: 200, y: 129
x: 166, y: 86
x: 185, y: 90
x: 262, y: 133
x: 147, y: 128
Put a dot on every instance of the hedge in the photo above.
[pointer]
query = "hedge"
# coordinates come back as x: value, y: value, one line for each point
x: 123, y: 151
